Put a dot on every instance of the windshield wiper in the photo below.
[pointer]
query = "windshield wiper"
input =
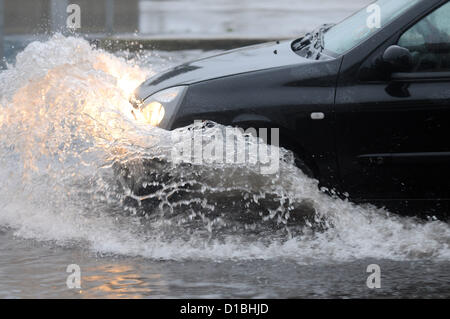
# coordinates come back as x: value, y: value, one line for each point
x: 303, y: 42
x: 314, y: 41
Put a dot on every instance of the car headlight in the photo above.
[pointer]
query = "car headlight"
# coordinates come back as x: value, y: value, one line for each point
x: 153, y: 113
x: 158, y: 108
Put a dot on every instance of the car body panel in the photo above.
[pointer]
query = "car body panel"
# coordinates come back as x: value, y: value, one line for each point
x: 401, y: 148
x: 248, y: 59
x: 286, y: 95
x: 376, y: 137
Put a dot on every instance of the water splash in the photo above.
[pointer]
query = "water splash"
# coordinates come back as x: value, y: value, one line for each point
x: 76, y: 168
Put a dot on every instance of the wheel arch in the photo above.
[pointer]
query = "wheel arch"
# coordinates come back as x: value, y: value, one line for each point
x: 304, y: 159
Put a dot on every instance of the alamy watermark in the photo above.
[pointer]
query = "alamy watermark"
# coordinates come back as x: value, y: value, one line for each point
x: 227, y: 145
x: 74, y: 279
x: 73, y: 21
x: 374, y: 19
x: 374, y: 279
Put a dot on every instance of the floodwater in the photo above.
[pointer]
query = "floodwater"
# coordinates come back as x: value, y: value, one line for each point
x: 69, y: 148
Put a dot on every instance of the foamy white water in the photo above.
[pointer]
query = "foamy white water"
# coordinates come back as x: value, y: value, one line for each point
x: 67, y: 137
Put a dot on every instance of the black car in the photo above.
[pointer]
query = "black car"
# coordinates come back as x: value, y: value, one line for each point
x: 365, y: 107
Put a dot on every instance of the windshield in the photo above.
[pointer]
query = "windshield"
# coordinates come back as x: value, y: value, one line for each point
x: 357, y: 28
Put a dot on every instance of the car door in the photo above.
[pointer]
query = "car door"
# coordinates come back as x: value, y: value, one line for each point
x: 393, y: 136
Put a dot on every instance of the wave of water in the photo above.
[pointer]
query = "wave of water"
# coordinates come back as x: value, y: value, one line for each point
x: 76, y: 168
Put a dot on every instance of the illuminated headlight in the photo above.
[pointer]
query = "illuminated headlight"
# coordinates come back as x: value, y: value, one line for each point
x: 153, y: 113
x: 159, y: 107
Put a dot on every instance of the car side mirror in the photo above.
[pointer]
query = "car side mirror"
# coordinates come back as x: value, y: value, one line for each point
x: 398, y: 59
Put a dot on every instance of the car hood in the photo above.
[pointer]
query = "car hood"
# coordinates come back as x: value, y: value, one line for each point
x: 248, y: 59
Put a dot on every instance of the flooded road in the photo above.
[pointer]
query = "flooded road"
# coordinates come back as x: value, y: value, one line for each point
x: 210, y: 230
x: 32, y: 269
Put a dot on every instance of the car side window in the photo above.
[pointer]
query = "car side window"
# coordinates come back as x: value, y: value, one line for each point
x: 429, y: 41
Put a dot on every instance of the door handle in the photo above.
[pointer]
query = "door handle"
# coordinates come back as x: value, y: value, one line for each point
x: 317, y: 116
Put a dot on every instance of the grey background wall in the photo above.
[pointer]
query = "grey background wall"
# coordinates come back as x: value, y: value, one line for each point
x: 35, y: 16
x: 22, y: 21
x: 180, y: 17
